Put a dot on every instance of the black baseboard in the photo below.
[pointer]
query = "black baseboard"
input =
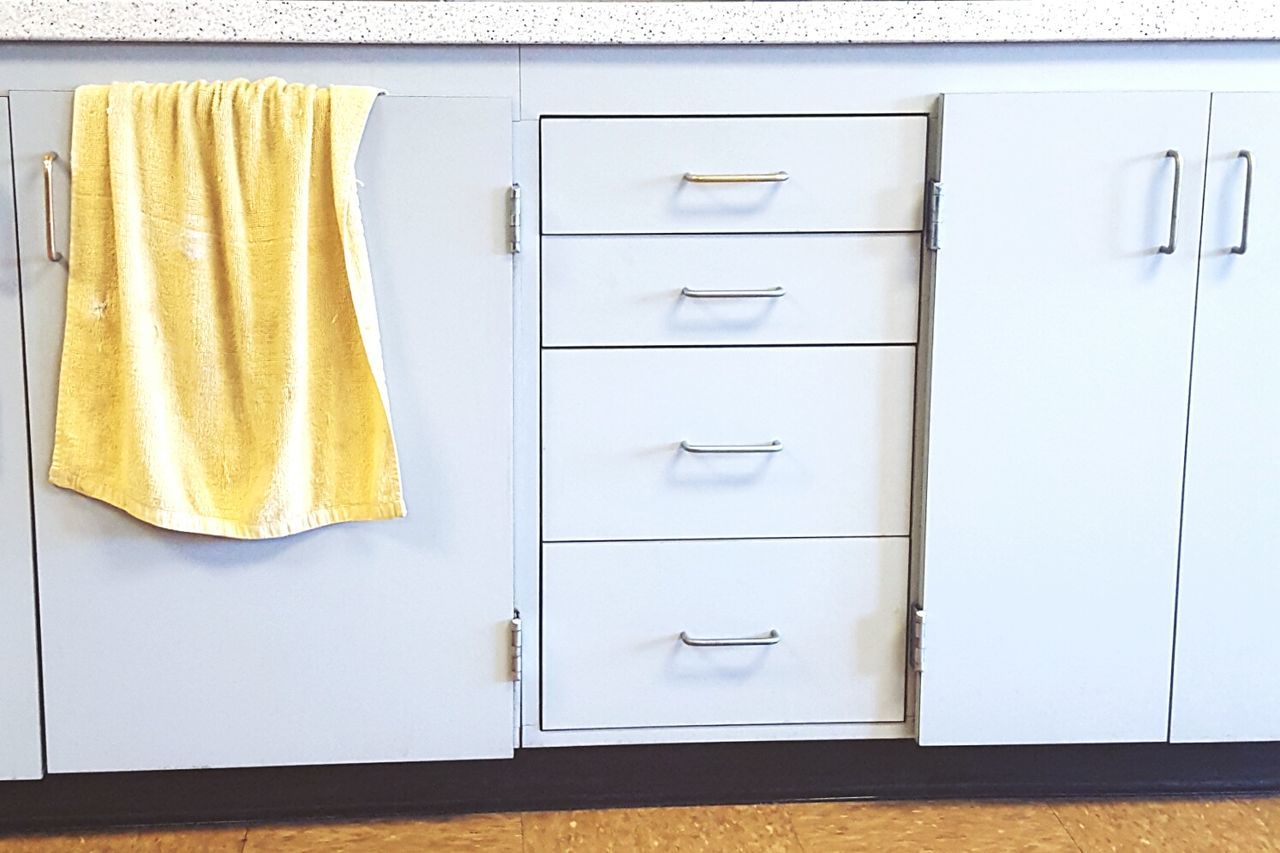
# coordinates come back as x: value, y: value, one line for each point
x: 587, y: 777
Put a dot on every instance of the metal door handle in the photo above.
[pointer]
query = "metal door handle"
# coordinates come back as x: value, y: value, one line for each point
x: 765, y: 293
x: 50, y: 235
x: 769, y: 639
x: 772, y: 447
x: 1247, y: 156
x: 750, y: 178
x: 1172, y: 245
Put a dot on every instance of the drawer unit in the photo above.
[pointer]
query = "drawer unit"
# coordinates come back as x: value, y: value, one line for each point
x: 614, y: 420
x: 703, y: 175
x: 730, y: 289
x: 729, y: 313
x: 679, y: 633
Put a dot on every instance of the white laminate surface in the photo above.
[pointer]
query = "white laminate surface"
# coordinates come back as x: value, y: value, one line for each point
x: 164, y: 650
x: 1226, y: 682
x: 819, y: 22
x: 1061, y: 354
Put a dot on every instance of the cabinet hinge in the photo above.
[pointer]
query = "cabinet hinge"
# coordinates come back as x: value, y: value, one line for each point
x: 513, y: 219
x: 917, y: 639
x: 933, y: 216
x: 517, y: 648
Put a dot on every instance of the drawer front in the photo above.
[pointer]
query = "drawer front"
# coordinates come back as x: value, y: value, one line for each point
x: 613, y: 614
x: 628, y: 176
x: 730, y: 289
x: 614, y: 420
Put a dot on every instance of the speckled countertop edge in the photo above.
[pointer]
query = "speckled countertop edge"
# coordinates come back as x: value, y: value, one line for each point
x: 549, y: 22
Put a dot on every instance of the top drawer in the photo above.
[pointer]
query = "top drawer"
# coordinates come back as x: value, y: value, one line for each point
x: 639, y: 175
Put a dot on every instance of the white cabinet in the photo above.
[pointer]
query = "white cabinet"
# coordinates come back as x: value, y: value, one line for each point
x: 20, y: 751
x: 1061, y: 356
x: 1226, y: 683
x: 727, y: 391
x: 1060, y: 535
x: 1056, y: 393
x: 377, y: 641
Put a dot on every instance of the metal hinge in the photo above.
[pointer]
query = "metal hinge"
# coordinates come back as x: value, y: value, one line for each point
x: 917, y: 639
x: 513, y: 219
x: 933, y: 216
x: 517, y: 648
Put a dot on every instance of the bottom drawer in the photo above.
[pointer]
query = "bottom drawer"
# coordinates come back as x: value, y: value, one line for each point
x: 630, y: 632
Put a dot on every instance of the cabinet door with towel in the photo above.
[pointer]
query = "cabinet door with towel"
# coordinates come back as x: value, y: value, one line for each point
x: 372, y: 641
x: 1226, y: 683
x: 19, y: 678
x: 1062, y: 311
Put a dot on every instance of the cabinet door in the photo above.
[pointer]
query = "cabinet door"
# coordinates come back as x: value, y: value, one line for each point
x: 1226, y: 683
x: 1057, y: 416
x: 373, y: 641
x: 19, y: 679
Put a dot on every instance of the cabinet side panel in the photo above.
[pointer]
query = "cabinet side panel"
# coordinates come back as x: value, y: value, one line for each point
x: 20, y: 749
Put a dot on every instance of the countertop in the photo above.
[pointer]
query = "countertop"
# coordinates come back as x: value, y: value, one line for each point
x: 549, y: 22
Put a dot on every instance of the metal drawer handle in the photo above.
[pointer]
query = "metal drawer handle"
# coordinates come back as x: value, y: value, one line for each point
x: 757, y: 178
x: 1247, y: 156
x: 50, y: 236
x: 1172, y: 245
x: 769, y: 639
x: 765, y: 293
x: 772, y: 447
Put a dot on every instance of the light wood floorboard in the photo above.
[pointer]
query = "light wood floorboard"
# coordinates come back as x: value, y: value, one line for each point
x: 929, y: 827
x: 196, y: 840
x: 1221, y: 826
x: 499, y: 833
x: 1166, y: 825
x: 752, y: 829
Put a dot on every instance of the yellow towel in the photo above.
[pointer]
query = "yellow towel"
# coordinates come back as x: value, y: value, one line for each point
x: 221, y: 367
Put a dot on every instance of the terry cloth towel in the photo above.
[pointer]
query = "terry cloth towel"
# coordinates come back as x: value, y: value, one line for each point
x: 221, y: 366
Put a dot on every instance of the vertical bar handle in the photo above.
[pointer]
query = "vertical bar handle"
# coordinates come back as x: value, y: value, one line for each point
x: 1247, y: 156
x: 50, y: 235
x: 1172, y: 245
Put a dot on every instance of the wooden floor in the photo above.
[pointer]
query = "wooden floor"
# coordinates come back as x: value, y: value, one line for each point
x: 1168, y: 826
